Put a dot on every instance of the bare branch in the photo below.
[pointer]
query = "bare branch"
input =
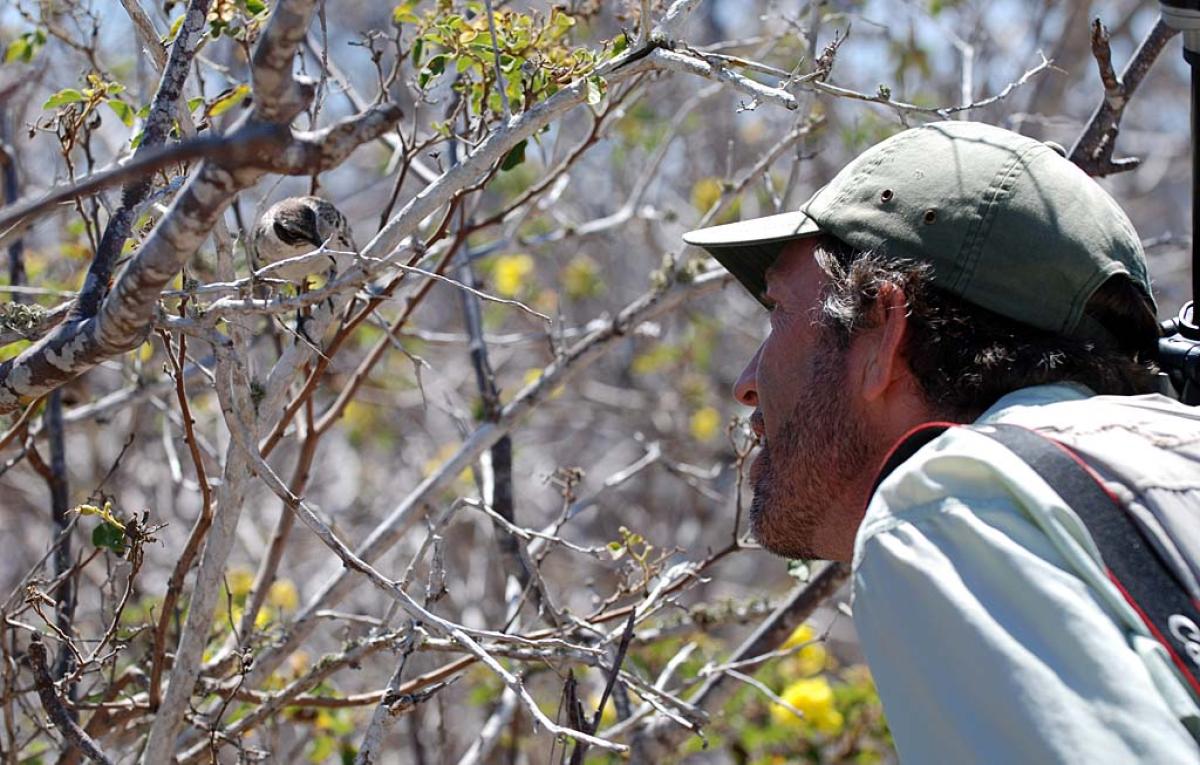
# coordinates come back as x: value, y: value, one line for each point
x: 715, y: 70
x: 762, y: 688
x: 125, y: 316
x: 154, y: 134
x: 683, y: 62
x: 669, y: 27
x: 147, y: 35
x: 403, y: 516
x: 490, y: 734
x: 246, y: 145
x: 1093, y: 151
x: 25, y: 322
x: 54, y: 707
x: 317, y: 151
x: 353, y: 562
x: 658, y: 735
x: 477, y: 293
x: 278, y: 96
x: 500, y: 84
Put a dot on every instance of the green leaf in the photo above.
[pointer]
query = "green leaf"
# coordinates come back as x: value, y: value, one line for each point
x: 255, y: 7
x: 616, y: 550
x: 25, y: 47
x: 18, y: 50
x: 417, y: 49
x: 123, y: 111
x: 62, y: 98
x: 228, y: 100
x: 173, y: 32
x: 432, y: 68
x: 321, y: 748
x: 403, y: 14
x: 109, y: 537
x: 193, y: 104
x: 560, y: 22
x: 620, y: 43
x: 514, y: 157
x: 595, y: 90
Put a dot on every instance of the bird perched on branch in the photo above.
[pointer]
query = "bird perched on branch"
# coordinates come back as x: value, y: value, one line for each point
x: 297, y: 226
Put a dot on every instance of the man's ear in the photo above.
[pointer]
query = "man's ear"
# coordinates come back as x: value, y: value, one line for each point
x: 881, y: 355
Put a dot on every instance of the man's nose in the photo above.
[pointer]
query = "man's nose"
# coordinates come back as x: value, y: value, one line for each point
x: 745, y: 390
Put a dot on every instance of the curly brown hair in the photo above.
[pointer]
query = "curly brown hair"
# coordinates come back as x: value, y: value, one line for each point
x: 965, y: 357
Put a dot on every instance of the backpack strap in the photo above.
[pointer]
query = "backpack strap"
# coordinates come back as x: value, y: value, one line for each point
x: 1131, y: 563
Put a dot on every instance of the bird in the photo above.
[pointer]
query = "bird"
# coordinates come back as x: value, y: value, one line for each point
x: 296, y: 226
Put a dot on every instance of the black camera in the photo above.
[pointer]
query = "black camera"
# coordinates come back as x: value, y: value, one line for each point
x: 1179, y: 354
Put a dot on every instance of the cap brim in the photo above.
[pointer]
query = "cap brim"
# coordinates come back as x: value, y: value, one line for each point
x: 749, y: 247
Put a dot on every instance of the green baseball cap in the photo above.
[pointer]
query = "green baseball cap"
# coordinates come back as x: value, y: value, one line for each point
x: 1006, y: 222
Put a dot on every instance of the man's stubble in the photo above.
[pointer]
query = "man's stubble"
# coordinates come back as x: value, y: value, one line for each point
x: 801, y: 477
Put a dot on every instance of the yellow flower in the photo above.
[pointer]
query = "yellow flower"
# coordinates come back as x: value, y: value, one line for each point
x: 510, y: 273
x: 261, y: 619
x: 240, y: 579
x: 706, y: 424
x: 810, y: 659
x: 582, y: 278
x: 283, y: 595
x: 801, y: 635
x: 814, y: 698
x: 609, y: 715
x: 706, y: 193
x: 362, y: 422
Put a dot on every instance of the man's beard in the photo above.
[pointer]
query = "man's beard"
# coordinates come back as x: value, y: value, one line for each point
x: 802, y: 474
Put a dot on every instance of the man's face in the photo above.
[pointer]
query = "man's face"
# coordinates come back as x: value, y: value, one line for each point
x: 815, y: 443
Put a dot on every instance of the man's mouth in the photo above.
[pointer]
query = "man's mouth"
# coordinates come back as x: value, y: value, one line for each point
x: 758, y: 426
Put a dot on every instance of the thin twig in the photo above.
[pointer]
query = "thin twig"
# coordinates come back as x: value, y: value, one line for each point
x: 64, y: 601
x: 659, y: 735
x: 477, y: 293
x: 1093, y: 151
x: 195, y: 538
x: 54, y: 707
x: 154, y: 134
x: 25, y: 211
x: 491, y: 19
x: 392, y: 528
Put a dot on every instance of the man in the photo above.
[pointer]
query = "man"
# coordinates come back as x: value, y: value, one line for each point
x: 963, y: 273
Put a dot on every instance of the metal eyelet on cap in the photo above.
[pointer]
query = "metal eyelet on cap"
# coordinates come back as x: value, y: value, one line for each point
x: 930, y: 215
x: 886, y: 196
